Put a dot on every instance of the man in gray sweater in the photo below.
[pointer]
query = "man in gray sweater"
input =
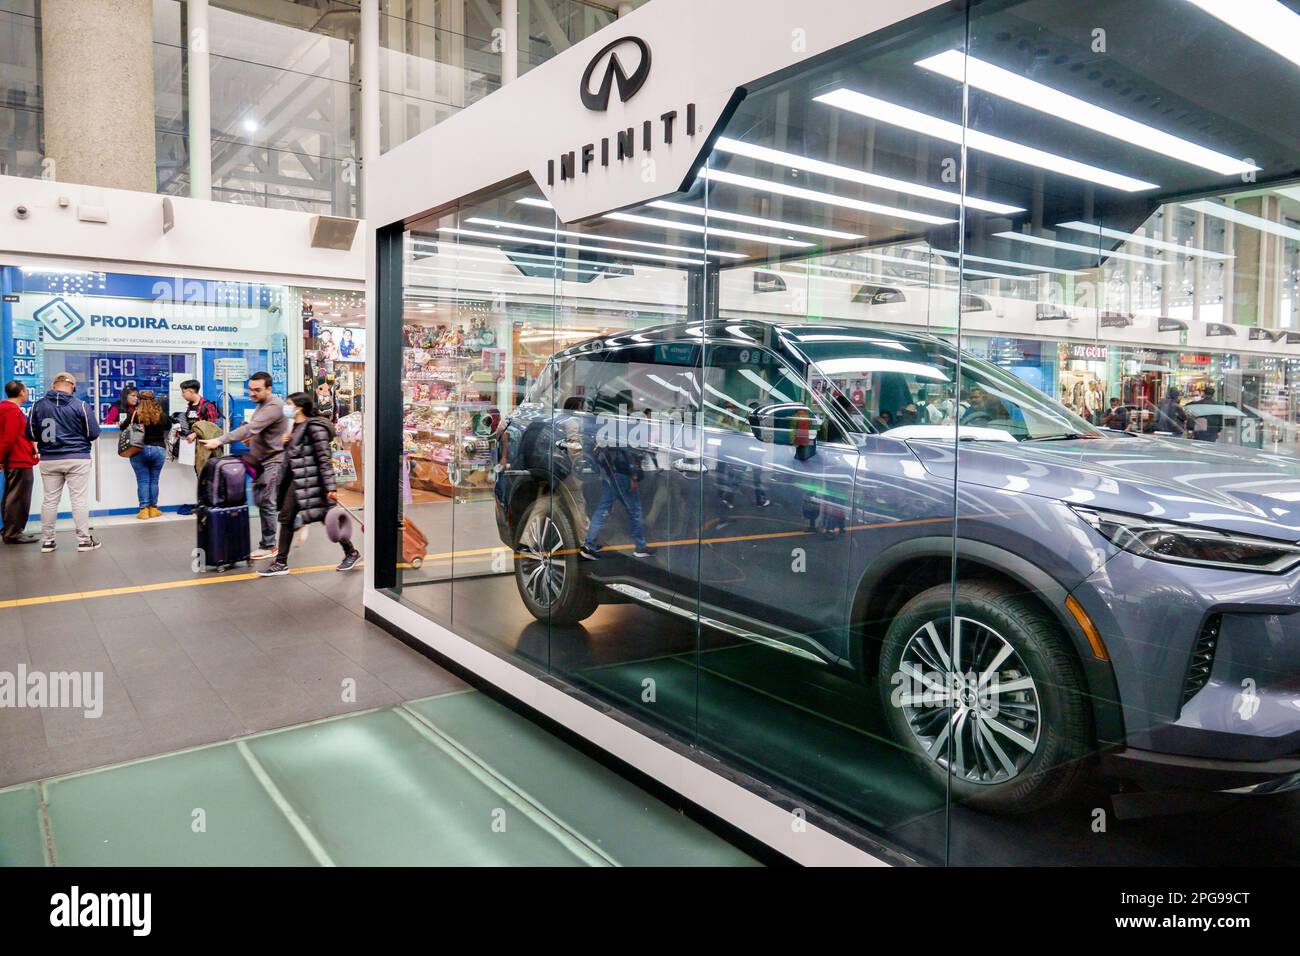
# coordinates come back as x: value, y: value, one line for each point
x: 264, y: 433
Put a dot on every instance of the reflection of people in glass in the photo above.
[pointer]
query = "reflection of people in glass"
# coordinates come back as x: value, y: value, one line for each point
x: 620, y: 472
x: 985, y: 408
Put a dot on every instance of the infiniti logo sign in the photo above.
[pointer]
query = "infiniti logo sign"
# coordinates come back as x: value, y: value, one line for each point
x: 615, y: 72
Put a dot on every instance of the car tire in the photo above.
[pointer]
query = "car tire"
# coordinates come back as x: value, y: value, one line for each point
x: 970, y: 736
x: 548, y: 571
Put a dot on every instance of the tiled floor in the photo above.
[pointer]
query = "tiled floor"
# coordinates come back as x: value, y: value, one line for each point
x: 188, y: 665
x: 455, y: 779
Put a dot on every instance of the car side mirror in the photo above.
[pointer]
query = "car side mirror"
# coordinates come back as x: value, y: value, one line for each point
x: 787, y: 423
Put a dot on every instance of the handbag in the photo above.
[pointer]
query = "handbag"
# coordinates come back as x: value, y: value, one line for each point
x: 131, y: 439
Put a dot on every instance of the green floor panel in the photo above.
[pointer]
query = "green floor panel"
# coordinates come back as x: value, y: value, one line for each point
x: 375, y: 792
x: 623, y: 820
x: 21, y: 841
x: 147, y: 814
x: 788, y: 720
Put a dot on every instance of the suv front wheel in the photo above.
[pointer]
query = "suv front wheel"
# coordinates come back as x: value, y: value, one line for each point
x: 986, y: 693
x: 554, y: 586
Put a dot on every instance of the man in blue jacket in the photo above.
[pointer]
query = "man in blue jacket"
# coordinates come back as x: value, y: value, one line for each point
x: 64, y: 430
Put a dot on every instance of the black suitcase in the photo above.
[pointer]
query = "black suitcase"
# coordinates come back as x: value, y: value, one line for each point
x: 224, y: 537
x: 222, y: 481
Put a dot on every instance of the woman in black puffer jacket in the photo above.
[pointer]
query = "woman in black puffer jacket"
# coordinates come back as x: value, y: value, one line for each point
x: 306, y: 490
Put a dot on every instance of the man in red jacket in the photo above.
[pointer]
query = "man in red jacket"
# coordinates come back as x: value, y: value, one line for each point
x: 17, y: 457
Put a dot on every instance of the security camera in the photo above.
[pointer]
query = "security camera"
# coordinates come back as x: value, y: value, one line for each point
x: 21, y: 211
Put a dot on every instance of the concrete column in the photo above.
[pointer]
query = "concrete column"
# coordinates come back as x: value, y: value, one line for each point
x: 1247, y: 272
x: 99, y: 92
x: 198, y: 80
x: 509, y: 41
x: 368, y: 54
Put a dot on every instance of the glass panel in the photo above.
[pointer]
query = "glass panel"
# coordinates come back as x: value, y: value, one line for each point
x: 20, y: 89
x: 431, y: 373
x: 1118, y: 576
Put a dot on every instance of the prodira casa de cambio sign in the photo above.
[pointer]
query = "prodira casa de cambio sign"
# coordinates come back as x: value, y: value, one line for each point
x: 102, y: 321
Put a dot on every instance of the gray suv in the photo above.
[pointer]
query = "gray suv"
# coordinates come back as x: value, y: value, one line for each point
x: 794, y: 485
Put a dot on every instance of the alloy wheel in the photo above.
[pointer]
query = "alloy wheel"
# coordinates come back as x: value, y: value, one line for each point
x: 541, y: 565
x: 970, y: 701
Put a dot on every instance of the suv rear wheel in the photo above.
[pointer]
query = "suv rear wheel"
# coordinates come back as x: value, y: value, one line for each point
x: 987, y: 695
x: 548, y: 571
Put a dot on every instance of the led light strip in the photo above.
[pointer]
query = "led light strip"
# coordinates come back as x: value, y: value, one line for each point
x: 751, y: 220
x: 710, y: 230
x: 1076, y: 247
x: 546, y: 230
x: 895, y: 115
x: 994, y: 79
x: 778, y: 158
x: 1028, y: 266
x: 812, y: 195
x: 1242, y: 218
x: 500, y: 237
x: 455, y: 254
x: 1267, y: 22
x: 1135, y: 240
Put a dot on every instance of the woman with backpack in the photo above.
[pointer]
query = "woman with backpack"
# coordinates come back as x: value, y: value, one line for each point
x: 306, y: 490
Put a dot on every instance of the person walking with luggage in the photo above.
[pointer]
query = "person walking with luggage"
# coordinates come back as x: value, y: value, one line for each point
x: 265, y: 434
x: 63, y: 430
x: 147, y: 463
x: 306, y: 490
x: 17, y: 459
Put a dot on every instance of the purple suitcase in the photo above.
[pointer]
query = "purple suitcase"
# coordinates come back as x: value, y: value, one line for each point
x: 224, y: 536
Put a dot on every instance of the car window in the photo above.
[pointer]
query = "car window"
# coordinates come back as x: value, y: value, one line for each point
x: 738, y: 379
x: 659, y: 380
x: 900, y: 381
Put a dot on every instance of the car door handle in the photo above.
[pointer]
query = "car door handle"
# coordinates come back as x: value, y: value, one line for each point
x: 569, y: 445
x: 690, y: 466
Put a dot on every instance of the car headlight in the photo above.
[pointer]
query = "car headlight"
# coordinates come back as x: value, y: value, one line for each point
x: 1191, y: 544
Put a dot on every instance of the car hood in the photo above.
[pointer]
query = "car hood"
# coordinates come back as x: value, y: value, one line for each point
x: 1221, y: 486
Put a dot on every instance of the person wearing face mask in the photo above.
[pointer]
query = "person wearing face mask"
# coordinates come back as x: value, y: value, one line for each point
x: 306, y: 491
x: 265, y: 434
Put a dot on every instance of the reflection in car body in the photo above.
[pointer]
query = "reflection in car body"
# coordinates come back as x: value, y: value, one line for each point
x: 1116, y: 593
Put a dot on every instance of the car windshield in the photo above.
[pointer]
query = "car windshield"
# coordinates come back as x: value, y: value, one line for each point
x: 903, y: 382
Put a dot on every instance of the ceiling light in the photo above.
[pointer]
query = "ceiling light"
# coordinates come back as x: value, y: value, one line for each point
x: 1076, y: 247
x: 776, y: 157
x: 751, y: 220
x: 1267, y: 22
x: 1029, y: 266
x: 895, y: 115
x: 1141, y: 240
x: 710, y: 230
x: 812, y: 195
x: 547, y: 230
x: 531, y: 240
x: 531, y: 201
x: 1242, y: 218
x: 994, y: 79
x: 250, y: 126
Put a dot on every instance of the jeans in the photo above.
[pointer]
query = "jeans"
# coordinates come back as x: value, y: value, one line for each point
x: 147, y: 464
x: 616, y: 486
x: 265, y: 490
x: 75, y: 473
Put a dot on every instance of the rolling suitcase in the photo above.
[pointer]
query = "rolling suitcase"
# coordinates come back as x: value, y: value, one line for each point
x: 414, y: 544
x: 224, y: 537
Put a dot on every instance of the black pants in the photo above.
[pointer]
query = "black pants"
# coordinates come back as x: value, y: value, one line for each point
x: 288, y: 509
x: 17, y: 501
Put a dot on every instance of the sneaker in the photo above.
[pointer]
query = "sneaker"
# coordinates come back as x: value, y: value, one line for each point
x: 89, y: 544
x: 642, y: 553
x: 349, y: 562
x: 23, y: 539
x: 143, y: 514
x: 261, y: 554
x: 154, y: 512
x: 48, y: 546
x: 185, y: 510
x: 588, y: 554
x: 274, y: 570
